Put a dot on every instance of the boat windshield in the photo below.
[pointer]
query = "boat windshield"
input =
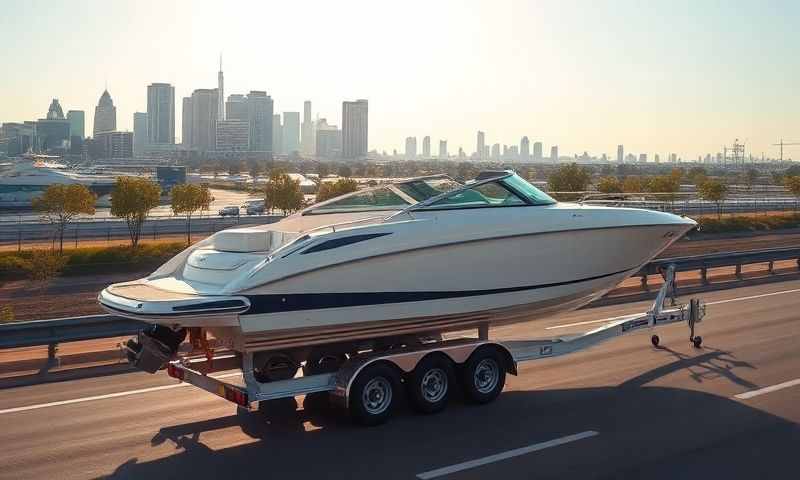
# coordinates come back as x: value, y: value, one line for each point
x: 374, y: 199
x: 422, y: 189
x: 508, y: 191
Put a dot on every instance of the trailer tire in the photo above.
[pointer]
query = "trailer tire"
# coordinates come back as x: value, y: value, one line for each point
x: 483, y: 375
x: 373, y: 394
x: 429, y: 385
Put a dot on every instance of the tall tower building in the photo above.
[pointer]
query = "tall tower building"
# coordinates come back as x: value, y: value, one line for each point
x: 259, y: 114
x: 554, y: 154
x: 105, y: 115
x: 480, y: 144
x: 186, y: 124
x: 161, y: 114
x: 525, y: 149
x: 220, y: 92
x: 411, y: 148
x: 442, y: 148
x: 140, y: 135
x: 537, y: 152
x: 204, y: 119
x: 277, y: 135
x: 236, y: 108
x: 426, y: 147
x: 620, y: 154
x: 307, y: 131
x: 291, y: 132
x: 355, y: 129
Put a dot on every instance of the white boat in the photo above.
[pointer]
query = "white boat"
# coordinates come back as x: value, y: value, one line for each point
x: 422, y: 256
x: 26, y: 178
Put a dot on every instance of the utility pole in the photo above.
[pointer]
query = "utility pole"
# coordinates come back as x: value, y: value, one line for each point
x: 782, y: 143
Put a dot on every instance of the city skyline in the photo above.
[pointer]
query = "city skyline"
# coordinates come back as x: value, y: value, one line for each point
x: 690, y: 83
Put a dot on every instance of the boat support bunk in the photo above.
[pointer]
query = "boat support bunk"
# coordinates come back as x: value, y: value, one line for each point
x: 368, y: 384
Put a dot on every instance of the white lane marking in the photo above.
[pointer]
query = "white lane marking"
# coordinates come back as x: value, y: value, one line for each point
x: 762, y: 391
x: 718, y: 302
x: 439, y: 472
x: 105, y: 396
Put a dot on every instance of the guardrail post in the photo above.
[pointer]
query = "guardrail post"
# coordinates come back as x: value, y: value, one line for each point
x: 739, y: 271
x: 643, y: 280
x: 704, y: 276
x: 771, y: 268
x: 52, y: 355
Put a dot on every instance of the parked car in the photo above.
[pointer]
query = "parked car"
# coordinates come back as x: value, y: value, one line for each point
x: 255, y: 208
x: 229, y: 211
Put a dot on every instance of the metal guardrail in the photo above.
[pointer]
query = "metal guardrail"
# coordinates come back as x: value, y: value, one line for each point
x: 60, y: 330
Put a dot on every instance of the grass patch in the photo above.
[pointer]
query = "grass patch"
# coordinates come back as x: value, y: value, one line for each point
x: 748, y: 223
x: 89, y: 260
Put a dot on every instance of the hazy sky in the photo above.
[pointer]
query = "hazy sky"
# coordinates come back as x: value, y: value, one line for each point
x: 658, y: 76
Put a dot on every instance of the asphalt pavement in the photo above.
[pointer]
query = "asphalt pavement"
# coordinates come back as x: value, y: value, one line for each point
x: 621, y: 410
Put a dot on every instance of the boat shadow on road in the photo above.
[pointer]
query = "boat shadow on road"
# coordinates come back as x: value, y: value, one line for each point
x: 652, y: 431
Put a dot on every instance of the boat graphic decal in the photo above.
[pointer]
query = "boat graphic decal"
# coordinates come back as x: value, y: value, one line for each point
x: 340, y: 242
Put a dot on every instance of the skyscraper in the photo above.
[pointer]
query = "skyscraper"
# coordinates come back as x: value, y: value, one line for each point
x: 233, y: 136
x: 495, y: 152
x: 443, y: 149
x: 480, y: 144
x: 355, y: 129
x: 140, y: 135
x: 525, y: 149
x: 554, y: 154
x: 115, y: 144
x: 186, y: 124
x: 204, y: 119
x: 77, y: 123
x: 236, y: 108
x: 537, y: 151
x: 259, y: 114
x: 426, y: 147
x: 220, y: 92
x: 328, y: 141
x: 291, y: 132
x: 160, y: 114
x: 307, y: 131
x: 53, y: 131
x: 642, y: 158
x: 620, y: 154
x: 277, y: 135
x: 105, y: 115
x: 411, y: 148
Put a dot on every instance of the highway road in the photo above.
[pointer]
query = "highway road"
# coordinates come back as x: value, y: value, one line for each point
x: 622, y: 410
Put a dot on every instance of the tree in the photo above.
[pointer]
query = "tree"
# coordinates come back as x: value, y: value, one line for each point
x: 283, y: 193
x: 132, y: 199
x: 323, y: 169
x: 713, y: 191
x: 189, y: 198
x: 345, y: 171
x: 328, y: 190
x: 60, y: 204
x: 43, y: 265
x: 697, y: 175
x: 749, y: 177
x: 569, y: 178
x: 633, y: 184
x: 792, y: 183
x: 609, y: 185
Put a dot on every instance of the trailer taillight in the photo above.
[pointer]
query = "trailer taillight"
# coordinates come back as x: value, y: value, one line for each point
x: 175, y: 372
x: 236, y: 396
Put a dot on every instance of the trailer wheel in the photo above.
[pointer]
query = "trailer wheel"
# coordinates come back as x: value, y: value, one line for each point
x: 372, y: 394
x: 655, y: 340
x: 697, y: 341
x: 483, y: 375
x: 430, y: 383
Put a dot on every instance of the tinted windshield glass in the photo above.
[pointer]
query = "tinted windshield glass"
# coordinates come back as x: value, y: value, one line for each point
x: 424, y: 189
x: 531, y: 193
x: 380, y: 199
x: 491, y: 194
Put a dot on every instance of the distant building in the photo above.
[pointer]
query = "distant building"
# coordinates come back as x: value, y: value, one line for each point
x: 513, y: 152
x: 642, y: 158
x: 426, y: 147
x: 277, y: 135
x: 233, y: 136
x: 53, y: 132
x: 259, y: 114
x: 329, y: 140
x: 495, y: 152
x: 140, y: 135
x: 291, y: 132
x: 307, y: 131
x: 620, y: 154
x: 524, y: 149
x: 105, y: 115
x: 114, y: 145
x: 220, y: 92
x: 443, y: 149
x: 411, y: 148
x: 160, y: 114
x: 461, y: 153
x: 355, y: 129
x: 554, y: 154
x: 236, y: 108
x: 18, y: 138
x: 657, y: 159
x: 186, y: 125
x: 480, y: 144
x: 204, y: 120
x: 537, y: 152
x: 77, y: 130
